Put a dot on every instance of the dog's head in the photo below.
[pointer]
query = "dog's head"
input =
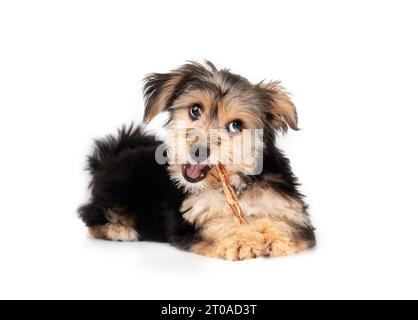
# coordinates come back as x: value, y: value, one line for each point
x: 215, y: 116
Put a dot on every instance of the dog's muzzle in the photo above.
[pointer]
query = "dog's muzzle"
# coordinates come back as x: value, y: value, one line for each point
x: 195, y: 172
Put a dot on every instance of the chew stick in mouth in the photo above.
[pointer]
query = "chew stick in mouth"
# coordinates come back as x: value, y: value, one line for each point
x: 230, y: 195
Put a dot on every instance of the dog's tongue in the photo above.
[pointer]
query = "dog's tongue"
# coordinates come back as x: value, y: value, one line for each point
x: 194, y: 170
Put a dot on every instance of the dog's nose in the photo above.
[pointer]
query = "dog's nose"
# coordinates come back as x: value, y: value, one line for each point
x: 199, y: 153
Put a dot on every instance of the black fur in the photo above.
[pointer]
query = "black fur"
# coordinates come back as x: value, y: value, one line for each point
x: 127, y: 177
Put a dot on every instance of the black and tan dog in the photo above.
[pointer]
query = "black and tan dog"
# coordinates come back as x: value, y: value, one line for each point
x: 181, y: 202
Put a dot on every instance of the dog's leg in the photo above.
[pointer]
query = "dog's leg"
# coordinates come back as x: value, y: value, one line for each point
x: 245, y: 244
x: 114, y: 232
x: 278, y: 237
x: 119, y: 228
x: 261, y: 237
x: 275, y: 227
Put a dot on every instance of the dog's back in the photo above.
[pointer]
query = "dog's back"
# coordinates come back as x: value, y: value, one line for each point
x: 111, y: 147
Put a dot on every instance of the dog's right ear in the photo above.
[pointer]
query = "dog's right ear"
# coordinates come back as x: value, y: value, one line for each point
x: 158, y: 90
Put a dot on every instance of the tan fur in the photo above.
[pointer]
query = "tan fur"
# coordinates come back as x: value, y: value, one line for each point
x: 270, y: 232
x: 257, y: 201
x: 183, y: 132
x: 162, y: 99
x: 261, y: 237
x: 229, y: 108
x: 114, y: 232
x: 119, y: 228
x: 284, y: 110
x: 262, y: 201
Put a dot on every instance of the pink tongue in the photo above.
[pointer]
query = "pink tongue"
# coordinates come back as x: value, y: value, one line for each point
x: 194, y: 170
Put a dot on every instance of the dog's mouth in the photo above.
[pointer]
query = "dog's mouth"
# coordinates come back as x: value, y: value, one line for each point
x: 195, y: 172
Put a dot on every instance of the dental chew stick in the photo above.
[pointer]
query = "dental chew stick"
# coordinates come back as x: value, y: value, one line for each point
x: 230, y: 195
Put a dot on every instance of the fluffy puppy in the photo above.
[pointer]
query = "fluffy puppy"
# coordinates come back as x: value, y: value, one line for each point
x: 145, y: 189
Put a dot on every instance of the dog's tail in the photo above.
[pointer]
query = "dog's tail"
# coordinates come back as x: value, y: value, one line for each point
x: 128, y: 137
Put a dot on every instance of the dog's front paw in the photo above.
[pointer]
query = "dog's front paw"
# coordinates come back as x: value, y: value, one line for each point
x: 279, y: 240
x: 240, y: 249
x: 260, y: 238
x: 281, y: 248
x: 235, y: 247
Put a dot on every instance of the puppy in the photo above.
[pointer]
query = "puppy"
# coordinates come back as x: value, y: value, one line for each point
x: 169, y: 191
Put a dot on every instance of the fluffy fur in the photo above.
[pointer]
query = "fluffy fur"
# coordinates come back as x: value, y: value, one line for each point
x: 134, y: 198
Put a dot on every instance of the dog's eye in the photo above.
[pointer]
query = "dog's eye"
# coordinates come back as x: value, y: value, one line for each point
x: 234, y: 127
x: 195, y: 111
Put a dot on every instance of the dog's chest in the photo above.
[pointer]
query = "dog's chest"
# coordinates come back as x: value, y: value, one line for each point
x: 256, y: 202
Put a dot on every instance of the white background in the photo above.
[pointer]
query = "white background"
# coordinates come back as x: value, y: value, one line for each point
x: 71, y: 71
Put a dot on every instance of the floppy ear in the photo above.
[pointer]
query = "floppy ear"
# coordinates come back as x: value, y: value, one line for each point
x: 158, y: 90
x: 283, y: 110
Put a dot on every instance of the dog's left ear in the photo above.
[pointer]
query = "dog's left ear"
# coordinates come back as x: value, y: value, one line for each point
x: 158, y: 91
x: 283, y: 111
